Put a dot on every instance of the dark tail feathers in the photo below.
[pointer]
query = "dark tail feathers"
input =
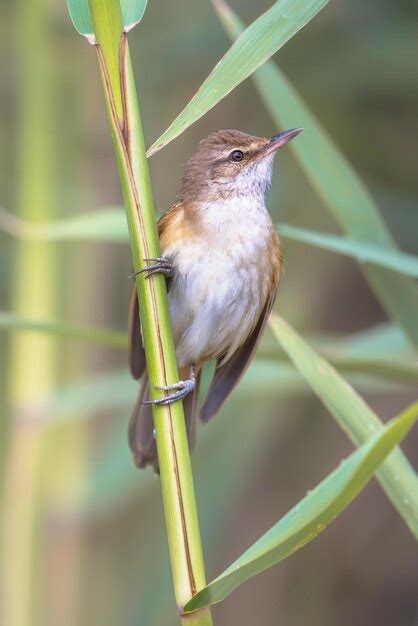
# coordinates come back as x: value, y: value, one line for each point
x: 141, y: 426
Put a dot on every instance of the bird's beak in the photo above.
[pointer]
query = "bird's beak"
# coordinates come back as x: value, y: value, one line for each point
x: 280, y: 140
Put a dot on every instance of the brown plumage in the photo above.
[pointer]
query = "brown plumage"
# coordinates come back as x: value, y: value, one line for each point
x: 224, y: 257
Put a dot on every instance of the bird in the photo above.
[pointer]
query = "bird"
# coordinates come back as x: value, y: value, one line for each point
x: 222, y: 258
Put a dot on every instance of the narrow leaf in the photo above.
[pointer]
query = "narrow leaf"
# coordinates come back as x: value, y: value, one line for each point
x: 356, y: 418
x: 117, y: 390
x: 382, y: 340
x: 79, y: 11
x: 107, y: 225
x: 132, y: 13
x: 380, y: 351
x: 257, y: 43
x: 389, y: 369
x: 335, y: 180
x: 92, y: 334
x: 392, y: 369
x: 308, y: 518
x: 363, y: 252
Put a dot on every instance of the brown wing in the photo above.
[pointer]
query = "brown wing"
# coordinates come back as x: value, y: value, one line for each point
x: 229, y: 374
x: 136, y: 349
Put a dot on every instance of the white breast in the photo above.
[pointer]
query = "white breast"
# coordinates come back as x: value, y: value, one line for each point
x: 218, y: 290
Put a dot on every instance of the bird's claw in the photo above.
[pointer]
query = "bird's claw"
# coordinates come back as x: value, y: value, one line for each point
x: 162, y: 266
x: 181, y: 390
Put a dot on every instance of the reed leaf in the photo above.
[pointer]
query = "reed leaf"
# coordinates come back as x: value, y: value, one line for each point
x: 392, y: 259
x: 108, y: 225
x: 267, y: 34
x: 393, y: 369
x: 312, y: 514
x: 93, y: 334
x: 356, y: 418
x: 405, y: 371
x: 132, y: 13
x: 380, y: 340
x: 335, y: 180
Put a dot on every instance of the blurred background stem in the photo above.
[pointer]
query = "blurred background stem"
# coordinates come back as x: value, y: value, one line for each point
x: 67, y: 446
x: 33, y: 359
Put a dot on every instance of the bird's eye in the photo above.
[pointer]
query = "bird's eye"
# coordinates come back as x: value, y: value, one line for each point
x: 236, y: 155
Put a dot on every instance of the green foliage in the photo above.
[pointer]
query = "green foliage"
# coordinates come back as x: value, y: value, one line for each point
x: 310, y: 516
x: 93, y: 334
x: 286, y: 367
x: 355, y: 417
x: 405, y: 371
x: 381, y: 340
x: 103, y: 225
x: 335, y: 180
x: 363, y: 252
x: 132, y: 13
x: 108, y: 225
x: 257, y: 43
x: 387, y: 367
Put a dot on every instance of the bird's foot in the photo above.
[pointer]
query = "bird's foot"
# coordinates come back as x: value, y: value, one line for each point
x: 162, y: 266
x: 181, y: 390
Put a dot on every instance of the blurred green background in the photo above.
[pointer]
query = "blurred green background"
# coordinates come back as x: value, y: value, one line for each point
x: 83, y: 531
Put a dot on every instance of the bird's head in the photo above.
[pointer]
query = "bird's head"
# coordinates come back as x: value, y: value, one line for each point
x: 230, y: 163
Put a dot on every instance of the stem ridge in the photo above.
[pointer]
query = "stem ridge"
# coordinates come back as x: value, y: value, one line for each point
x: 173, y: 452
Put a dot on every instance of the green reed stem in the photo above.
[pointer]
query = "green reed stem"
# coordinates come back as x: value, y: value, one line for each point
x: 173, y: 452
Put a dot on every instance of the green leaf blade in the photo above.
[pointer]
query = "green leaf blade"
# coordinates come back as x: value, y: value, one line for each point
x: 102, y: 336
x: 336, y: 182
x: 258, y: 43
x: 132, y: 12
x: 79, y: 10
x: 308, y: 518
x: 355, y: 417
x: 106, y: 225
x: 80, y: 15
x: 392, y: 259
